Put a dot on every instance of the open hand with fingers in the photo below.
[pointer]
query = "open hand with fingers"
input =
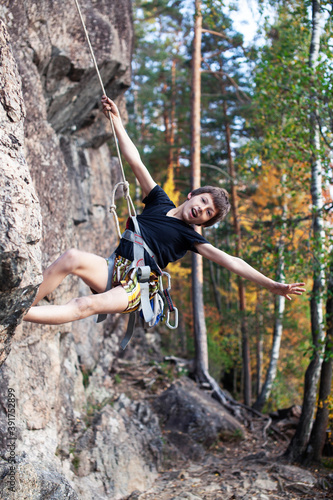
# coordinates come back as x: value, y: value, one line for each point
x: 288, y: 289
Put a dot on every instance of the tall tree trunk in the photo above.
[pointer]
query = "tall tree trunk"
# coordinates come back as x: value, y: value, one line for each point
x: 172, y: 117
x: 279, y: 305
x: 275, y: 353
x: 297, y: 447
x: 214, y: 281
x: 241, y: 287
x: 169, y: 118
x: 166, y: 118
x: 318, y: 434
x: 200, y: 332
x: 228, y: 286
x: 259, y: 328
x: 217, y: 295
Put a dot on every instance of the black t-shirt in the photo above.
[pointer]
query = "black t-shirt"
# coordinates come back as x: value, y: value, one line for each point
x: 168, y: 238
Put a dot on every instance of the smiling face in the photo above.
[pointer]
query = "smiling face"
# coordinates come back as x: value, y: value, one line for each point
x: 199, y: 209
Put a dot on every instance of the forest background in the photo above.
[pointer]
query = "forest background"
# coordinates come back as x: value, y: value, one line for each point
x: 262, y: 104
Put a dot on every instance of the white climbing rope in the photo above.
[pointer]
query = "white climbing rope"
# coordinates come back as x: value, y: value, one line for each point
x: 124, y: 183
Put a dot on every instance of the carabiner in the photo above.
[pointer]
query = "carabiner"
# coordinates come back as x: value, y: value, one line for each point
x: 172, y: 327
x: 164, y: 273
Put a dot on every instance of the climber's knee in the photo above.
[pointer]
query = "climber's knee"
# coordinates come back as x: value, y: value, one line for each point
x: 71, y: 260
x: 83, y: 307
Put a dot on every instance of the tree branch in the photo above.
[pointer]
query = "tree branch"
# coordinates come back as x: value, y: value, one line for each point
x: 232, y: 81
x: 216, y: 33
x: 222, y: 35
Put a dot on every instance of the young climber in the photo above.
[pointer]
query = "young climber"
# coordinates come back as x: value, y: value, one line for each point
x: 168, y: 232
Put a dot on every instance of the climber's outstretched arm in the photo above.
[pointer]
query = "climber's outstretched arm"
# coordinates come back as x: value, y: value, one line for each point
x: 240, y: 267
x: 128, y: 149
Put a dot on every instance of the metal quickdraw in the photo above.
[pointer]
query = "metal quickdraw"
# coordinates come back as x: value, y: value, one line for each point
x: 168, y: 300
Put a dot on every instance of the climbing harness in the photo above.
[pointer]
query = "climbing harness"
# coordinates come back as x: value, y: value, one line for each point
x: 152, y: 310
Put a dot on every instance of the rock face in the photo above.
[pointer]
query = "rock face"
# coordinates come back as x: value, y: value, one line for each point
x: 69, y: 441
x: 20, y: 219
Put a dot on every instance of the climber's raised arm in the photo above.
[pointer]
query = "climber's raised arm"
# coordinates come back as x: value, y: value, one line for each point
x: 128, y: 149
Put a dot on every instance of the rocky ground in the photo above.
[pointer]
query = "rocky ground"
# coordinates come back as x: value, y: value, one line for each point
x: 247, y: 467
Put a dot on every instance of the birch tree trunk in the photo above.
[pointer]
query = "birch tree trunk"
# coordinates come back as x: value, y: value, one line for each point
x: 241, y: 288
x: 279, y: 305
x: 297, y: 447
x: 275, y: 354
x: 318, y: 434
x: 200, y: 332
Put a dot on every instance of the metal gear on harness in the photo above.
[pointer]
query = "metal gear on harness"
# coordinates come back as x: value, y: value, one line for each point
x: 151, y: 310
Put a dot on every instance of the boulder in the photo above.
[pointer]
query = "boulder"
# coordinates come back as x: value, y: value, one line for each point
x: 192, y: 420
x: 34, y: 481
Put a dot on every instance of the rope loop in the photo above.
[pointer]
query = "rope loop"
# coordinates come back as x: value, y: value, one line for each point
x: 130, y: 206
x: 126, y: 189
x: 125, y: 185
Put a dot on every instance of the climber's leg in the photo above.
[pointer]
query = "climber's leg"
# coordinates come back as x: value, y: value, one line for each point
x: 110, y: 302
x: 90, y: 267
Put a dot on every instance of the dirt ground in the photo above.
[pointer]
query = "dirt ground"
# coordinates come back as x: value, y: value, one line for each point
x: 247, y: 468
x: 233, y: 474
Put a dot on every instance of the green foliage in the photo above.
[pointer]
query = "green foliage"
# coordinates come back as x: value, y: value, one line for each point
x: 328, y: 463
x: 85, y: 376
x: 76, y: 462
x: 238, y: 434
x: 223, y: 347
